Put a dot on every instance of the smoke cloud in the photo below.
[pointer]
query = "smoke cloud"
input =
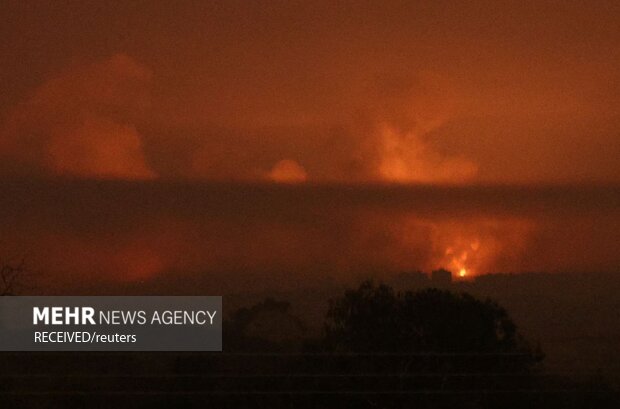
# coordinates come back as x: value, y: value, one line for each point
x: 397, y: 125
x: 324, y: 115
x: 251, y: 236
x: 385, y: 132
x: 287, y: 171
x: 81, y: 123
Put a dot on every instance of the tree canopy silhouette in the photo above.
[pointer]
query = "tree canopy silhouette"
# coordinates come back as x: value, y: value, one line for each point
x: 374, y: 318
x: 266, y: 326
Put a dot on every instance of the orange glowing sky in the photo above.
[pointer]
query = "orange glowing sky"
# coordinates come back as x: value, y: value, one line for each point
x: 407, y: 91
x: 159, y: 93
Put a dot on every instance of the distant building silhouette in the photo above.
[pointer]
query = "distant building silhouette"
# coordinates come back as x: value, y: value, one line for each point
x: 441, y: 278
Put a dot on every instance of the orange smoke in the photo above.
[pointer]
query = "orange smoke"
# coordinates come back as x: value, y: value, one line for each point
x: 126, y: 255
x: 81, y: 123
x: 247, y: 234
x: 86, y: 122
x: 480, y: 246
x: 406, y: 158
x: 467, y: 247
x: 98, y: 148
x: 287, y: 171
x: 384, y: 134
x: 397, y: 126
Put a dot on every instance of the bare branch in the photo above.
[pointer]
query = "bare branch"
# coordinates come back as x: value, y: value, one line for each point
x: 10, y: 274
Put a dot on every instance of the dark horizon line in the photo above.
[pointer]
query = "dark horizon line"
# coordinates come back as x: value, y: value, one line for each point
x: 326, y: 183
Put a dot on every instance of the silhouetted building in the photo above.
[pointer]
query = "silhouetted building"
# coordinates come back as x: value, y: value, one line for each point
x: 441, y: 278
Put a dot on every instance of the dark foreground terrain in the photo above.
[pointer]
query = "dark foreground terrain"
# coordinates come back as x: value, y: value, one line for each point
x: 200, y: 380
x: 268, y: 363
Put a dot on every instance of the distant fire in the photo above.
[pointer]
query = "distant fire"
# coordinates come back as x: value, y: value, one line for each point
x: 82, y: 233
x: 458, y: 260
x: 468, y: 247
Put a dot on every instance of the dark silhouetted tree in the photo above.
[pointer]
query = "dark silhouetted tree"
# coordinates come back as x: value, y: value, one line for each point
x: 266, y: 326
x: 374, y: 318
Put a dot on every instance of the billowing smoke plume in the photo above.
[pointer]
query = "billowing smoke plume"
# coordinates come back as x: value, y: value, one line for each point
x: 82, y: 123
x: 86, y: 122
x: 397, y: 123
x: 406, y: 157
x: 385, y: 130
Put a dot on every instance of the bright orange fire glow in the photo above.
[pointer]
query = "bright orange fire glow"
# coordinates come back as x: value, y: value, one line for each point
x: 456, y: 260
x: 466, y: 247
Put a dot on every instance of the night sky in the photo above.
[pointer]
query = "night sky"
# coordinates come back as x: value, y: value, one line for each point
x: 308, y: 140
